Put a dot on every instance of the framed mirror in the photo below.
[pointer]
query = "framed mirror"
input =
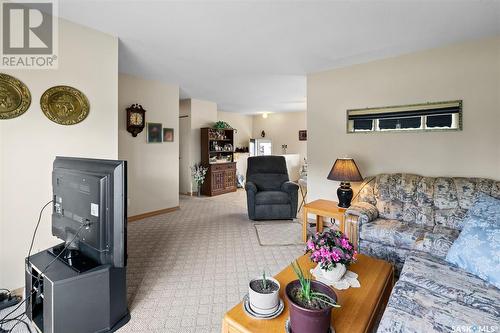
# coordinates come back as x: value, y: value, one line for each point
x: 439, y: 116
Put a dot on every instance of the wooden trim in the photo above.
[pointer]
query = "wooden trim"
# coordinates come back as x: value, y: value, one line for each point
x: 352, y: 229
x: 153, y: 213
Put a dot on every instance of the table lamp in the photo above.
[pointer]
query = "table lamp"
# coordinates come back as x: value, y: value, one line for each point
x: 345, y: 170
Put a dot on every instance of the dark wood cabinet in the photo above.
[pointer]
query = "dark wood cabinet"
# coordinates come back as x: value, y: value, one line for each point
x: 217, y: 154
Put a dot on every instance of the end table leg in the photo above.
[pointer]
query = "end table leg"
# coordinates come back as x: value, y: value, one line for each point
x: 225, y: 327
x: 304, y: 225
x: 319, y: 223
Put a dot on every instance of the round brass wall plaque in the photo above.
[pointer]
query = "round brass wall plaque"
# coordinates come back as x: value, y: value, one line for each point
x: 15, y: 97
x: 65, y: 105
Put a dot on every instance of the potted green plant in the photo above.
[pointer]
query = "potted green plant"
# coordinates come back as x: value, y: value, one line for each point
x: 310, y: 303
x: 222, y: 125
x: 263, y: 294
x: 198, y: 172
x: 333, y: 252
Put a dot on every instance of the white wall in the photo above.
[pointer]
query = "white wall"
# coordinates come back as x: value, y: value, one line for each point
x: 88, y: 60
x: 283, y: 128
x: 467, y: 71
x: 184, y: 146
x: 243, y: 125
x: 203, y: 114
x: 2, y: 255
x: 153, y: 169
x: 199, y: 114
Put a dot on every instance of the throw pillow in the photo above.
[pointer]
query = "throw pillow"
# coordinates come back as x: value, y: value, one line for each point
x: 477, y: 249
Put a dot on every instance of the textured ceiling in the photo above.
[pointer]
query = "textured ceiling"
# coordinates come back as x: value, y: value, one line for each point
x: 253, y: 56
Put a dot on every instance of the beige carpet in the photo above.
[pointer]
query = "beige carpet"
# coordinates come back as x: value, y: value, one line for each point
x: 187, y: 268
x: 275, y: 233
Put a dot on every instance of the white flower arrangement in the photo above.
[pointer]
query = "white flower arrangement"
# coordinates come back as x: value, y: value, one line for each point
x: 198, y: 172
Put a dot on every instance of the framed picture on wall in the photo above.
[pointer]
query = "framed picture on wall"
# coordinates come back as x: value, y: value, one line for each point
x: 154, y: 132
x: 303, y: 135
x: 168, y: 135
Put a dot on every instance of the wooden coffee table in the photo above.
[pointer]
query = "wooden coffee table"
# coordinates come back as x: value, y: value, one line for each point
x: 360, y: 306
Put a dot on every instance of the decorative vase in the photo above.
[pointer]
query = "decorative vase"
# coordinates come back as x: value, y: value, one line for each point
x: 198, y: 192
x: 303, y: 320
x: 264, y: 303
x: 334, y: 274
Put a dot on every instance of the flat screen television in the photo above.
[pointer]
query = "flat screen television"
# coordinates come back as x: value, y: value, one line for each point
x: 89, y: 210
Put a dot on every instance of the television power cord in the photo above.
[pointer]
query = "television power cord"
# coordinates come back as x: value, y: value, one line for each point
x: 19, y: 317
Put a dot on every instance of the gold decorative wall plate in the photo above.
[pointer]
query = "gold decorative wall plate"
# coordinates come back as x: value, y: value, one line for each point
x: 15, y: 97
x: 65, y: 105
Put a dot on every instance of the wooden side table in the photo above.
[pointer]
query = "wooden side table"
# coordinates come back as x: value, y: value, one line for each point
x: 322, y: 208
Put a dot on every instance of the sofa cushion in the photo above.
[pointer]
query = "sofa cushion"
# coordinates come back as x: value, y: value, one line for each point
x: 418, y: 214
x: 392, y: 232
x: 477, y: 248
x: 438, y: 276
x: 390, y: 209
x: 271, y: 198
x: 413, y: 308
x: 273, y: 212
x: 438, y: 241
x: 407, y: 187
x: 425, y: 192
x: 466, y: 191
x: 268, y: 181
x: 445, y: 193
x: 450, y: 218
x: 387, y: 186
x: 267, y: 172
x: 495, y: 190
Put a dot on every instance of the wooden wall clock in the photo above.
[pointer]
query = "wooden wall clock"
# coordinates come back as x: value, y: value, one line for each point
x: 136, y: 118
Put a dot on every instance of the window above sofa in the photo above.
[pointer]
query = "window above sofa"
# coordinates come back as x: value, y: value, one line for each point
x: 440, y: 116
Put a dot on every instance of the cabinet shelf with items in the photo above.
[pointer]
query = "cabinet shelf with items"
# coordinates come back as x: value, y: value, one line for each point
x: 221, y: 140
x: 217, y: 154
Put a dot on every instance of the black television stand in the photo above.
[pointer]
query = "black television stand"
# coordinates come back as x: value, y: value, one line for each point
x: 73, y: 258
x: 66, y: 300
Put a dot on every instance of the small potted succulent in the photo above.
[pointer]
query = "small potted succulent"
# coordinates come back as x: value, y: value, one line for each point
x: 311, y: 304
x: 263, y: 294
x: 333, y: 252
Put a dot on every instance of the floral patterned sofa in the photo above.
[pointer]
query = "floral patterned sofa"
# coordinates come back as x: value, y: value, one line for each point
x: 399, y: 213
x: 433, y: 296
x: 412, y: 220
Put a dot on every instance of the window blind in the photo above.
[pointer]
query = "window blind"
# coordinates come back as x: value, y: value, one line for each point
x: 401, y: 113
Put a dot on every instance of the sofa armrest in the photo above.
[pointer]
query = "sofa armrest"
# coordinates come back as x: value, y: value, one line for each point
x: 251, y: 191
x: 292, y: 189
x: 364, y: 210
x: 250, y: 187
x: 355, y: 216
x: 289, y: 187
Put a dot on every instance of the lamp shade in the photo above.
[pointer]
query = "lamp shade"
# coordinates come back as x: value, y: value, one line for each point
x: 345, y: 170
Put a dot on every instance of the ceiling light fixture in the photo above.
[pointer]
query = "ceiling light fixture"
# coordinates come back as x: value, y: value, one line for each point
x: 264, y: 115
